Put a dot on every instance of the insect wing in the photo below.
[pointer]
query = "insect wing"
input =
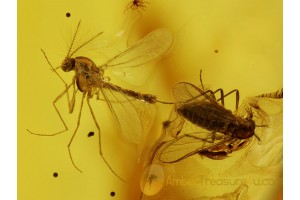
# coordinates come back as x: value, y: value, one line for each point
x: 128, y: 65
x: 134, y: 117
x: 175, y: 126
x: 185, y: 92
x: 187, y: 145
x: 195, y: 103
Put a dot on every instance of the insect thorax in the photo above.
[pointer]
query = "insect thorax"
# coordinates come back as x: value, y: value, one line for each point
x: 88, y: 75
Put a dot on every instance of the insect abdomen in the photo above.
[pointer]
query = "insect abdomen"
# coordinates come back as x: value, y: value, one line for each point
x: 136, y: 95
x: 277, y: 95
x: 206, y: 117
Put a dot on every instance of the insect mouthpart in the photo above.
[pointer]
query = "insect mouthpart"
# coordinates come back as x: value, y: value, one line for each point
x: 68, y: 64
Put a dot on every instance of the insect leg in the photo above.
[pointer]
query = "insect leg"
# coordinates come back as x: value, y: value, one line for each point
x: 57, y: 111
x: 201, y: 80
x: 75, y: 131
x: 221, y: 93
x: 99, y: 136
x: 66, y: 85
x: 71, y: 103
x: 237, y: 96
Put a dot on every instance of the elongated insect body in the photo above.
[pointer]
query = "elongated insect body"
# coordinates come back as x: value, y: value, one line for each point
x: 215, y: 117
x: 89, y: 79
x: 148, y: 98
x: 204, y: 111
x: 205, y: 127
x: 130, y: 109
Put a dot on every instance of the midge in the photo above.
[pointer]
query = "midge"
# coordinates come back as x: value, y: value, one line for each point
x: 136, y: 4
x: 89, y: 79
x: 216, y: 132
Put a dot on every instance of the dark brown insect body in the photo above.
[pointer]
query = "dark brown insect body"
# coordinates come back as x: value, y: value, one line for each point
x: 203, y: 110
x: 215, y: 117
x: 202, y: 125
x: 219, y: 132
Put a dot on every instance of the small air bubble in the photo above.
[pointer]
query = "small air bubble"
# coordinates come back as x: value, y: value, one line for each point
x: 68, y: 14
x: 55, y: 174
x: 112, y: 194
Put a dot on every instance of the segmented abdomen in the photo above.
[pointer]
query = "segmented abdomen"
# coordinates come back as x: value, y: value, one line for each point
x: 278, y: 94
x: 209, y: 116
x: 136, y: 95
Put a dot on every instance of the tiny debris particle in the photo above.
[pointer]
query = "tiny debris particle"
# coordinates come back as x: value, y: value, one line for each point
x: 68, y: 14
x: 55, y: 174
x: 91, y: 134
x: 112, y: 194
x: 216, y: 51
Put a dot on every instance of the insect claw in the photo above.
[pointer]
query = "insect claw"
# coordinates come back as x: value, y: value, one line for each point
x: 257, y: 137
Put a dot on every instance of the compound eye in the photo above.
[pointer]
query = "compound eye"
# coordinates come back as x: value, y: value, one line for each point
x: 68, y: 64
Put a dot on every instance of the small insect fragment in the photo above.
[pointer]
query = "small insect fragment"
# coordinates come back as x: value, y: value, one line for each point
x: 136, y: 4
x: 276, y: 95
x: 236, y: 194
x: 55, y: 174
x: 68, y: 14
x: 112, y: 194
x: 91, y: 134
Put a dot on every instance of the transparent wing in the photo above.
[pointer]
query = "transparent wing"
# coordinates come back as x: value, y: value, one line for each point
x: 187, y: 145
x: 133, y: 117
x: 175, y: 124
x: 129, y: 64
x: 185, y: 92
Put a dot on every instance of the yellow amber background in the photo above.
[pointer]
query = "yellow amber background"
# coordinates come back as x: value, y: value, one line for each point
x: 247, y: 35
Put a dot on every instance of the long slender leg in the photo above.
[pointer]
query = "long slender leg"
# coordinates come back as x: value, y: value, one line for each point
x: 99, y: 136
x: 72, y: 103
x: 75, y: 131
x: 57, y: 111
x: 222, y: 96
x: 64, y: 82
x: 237, y: 97
x: 222, y: 93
